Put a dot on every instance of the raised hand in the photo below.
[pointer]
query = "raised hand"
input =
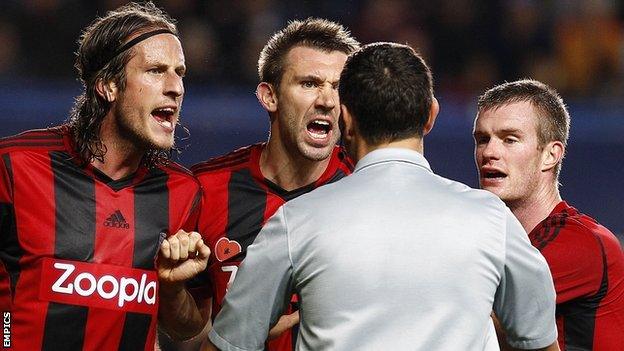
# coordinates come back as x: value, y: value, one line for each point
x: 181, y: 257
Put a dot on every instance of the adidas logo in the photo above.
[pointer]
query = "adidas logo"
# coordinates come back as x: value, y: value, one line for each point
x: 116, y: 220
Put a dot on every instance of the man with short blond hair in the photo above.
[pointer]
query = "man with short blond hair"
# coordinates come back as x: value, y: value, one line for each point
x: 521, y: 134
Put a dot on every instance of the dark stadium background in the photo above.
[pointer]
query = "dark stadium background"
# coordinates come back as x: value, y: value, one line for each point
x: 575, y: 46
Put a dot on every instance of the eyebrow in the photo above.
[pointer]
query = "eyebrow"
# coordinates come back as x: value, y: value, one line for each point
x: 501, y: 131
x: 308, y: 77
x: 160, y: 64
x: 510, y: 131
x: 314, y: 77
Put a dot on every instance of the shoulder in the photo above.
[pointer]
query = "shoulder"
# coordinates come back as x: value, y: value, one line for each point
x: 340, y: 166
x: 467, y: 199
x: 342, y: 159
x: 176, y: 169
x: 568, y: 238
x: 322, y: 199
x: 48, y: 139
x: 478, y: 212
x: 178, y: 172
x: 585, y: 225
x: 578, y: 251
x: 568, y: 227
x: 234, y: 160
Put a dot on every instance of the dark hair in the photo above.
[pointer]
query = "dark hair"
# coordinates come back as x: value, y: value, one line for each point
x: 553, y: 119
x: 388, y: 89
x: 103, y: 36
x: 312, y: 32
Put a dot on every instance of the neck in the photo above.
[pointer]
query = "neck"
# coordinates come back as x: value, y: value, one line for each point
x: 531, y: 211
x: 362, y: 148
x: 289, y: 170
x: 122, y: 156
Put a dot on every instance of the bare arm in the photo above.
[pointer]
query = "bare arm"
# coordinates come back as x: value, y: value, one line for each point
x: 181, y: 257
x: 208, y: 346
x: 500, y: 334
x: 285, y: 322
x: 552, y: 347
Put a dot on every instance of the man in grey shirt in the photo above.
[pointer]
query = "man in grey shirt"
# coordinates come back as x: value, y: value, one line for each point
x: 392, y: 257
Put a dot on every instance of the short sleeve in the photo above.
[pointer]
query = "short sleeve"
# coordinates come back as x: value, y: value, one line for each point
x: 260, y: 292
x: 525, y: 299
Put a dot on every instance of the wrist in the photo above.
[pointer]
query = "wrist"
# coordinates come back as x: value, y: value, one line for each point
x: 170, y: 290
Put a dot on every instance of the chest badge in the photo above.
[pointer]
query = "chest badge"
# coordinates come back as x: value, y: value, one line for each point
x: 226, y: 248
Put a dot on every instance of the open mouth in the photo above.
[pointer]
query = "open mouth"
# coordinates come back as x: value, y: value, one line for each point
x: 319, y: 129
x: 164, y: 117
x: 494, y: 175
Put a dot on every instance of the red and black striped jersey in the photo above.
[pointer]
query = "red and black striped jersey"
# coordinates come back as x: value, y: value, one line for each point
x: 587, y: 265
x: 77, y: 248
x: 238, y: 200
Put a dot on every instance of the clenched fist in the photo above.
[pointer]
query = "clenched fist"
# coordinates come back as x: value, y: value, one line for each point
x: 181, y: 257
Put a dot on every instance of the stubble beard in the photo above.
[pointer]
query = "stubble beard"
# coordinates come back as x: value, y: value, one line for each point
x: 136, y: 133
x: 310, y: 152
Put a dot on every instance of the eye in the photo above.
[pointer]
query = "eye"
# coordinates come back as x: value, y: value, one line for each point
x: 480, y: 140
x: 511, y: 140
x: 155, y: 70
x: 309, y: 84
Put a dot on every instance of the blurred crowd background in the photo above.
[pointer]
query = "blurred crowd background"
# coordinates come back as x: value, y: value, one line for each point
x: 575, y: 46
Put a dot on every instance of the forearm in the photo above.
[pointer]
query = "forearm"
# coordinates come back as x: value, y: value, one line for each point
x: 178, y: 314
x: 207, y: 345
x: 552, y: 347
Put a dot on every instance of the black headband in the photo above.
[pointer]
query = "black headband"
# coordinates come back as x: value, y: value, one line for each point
x: 133, y: 42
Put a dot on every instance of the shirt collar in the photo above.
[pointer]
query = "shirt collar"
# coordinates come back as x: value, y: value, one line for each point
x: 392, y: 155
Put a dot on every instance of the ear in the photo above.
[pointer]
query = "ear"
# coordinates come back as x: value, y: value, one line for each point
x: 267, y: 96
x: 433, y: 113
x: 347, y: 124
x: 107, y: 90
x: 552, y: 155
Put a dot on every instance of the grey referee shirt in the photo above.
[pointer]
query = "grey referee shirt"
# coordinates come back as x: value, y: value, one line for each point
x: 393, y: 257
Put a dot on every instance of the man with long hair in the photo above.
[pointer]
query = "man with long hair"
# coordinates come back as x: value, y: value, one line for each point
x: 85, y: 205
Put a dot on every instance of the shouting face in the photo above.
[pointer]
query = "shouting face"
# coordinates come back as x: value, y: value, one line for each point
x: 147, y: 110
x: 307, y: 102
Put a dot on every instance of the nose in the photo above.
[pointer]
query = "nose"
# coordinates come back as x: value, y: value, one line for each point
x: 174, y: 86
x: 327, y: 97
